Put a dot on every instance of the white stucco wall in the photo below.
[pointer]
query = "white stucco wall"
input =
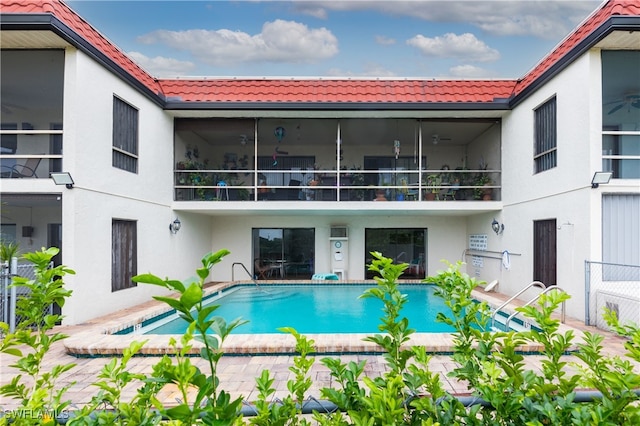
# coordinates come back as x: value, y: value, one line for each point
x: 102, y: 192
x: 564, y: 192
x: 446, y: 239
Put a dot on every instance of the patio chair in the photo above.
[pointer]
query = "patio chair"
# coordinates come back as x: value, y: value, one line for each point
x: 261, y: 271
x: 416, y: 267
x: 26, y: 170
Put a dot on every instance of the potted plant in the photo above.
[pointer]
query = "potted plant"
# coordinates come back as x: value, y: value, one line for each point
x: 357, y: 179
x: 433, y: 187
x: 481, y: 190
x: 403, y: 191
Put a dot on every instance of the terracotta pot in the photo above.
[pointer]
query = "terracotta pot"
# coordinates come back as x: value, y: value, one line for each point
x: 430, y: 196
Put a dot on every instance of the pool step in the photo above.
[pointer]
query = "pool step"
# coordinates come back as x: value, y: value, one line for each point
x: 516, y: 324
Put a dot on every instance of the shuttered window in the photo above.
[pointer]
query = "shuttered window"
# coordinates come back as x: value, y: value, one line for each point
x: 620, y: 229
x: 124, y: 254
x: 545, y: 154
x: 125, y: 136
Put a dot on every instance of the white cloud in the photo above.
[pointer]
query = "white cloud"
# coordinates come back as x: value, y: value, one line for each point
x: 161, y: 66
x: 279, y: 41
x: 469, y: 71
x: 464, y: 46
x: 369, y: 70
x: 385, y: 41
x: 543, y: 19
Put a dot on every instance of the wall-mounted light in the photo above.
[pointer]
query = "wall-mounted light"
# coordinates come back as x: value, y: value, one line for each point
x: 497, y: 227
x: 174, y: 226
x: 62, y: 178
x: 600, y: 177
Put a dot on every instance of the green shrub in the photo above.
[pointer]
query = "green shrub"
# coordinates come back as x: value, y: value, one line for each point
x: 408, y: 393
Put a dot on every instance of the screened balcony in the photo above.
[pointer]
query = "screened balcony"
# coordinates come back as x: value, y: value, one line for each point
x: 337, y: 160
x: 31, y: 113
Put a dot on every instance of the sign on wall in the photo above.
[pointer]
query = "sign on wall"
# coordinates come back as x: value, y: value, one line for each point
x: 478, y: 242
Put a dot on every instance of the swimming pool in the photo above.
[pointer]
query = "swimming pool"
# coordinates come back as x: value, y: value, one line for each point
x: 315, y: 308
x: 111, y: 335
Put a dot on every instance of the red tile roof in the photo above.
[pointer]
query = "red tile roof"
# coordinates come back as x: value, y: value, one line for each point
x: 337, y: 90
x: 323, y: 90
x: 591, y: 23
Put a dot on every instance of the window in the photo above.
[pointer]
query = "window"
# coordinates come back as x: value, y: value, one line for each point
x: 545, y: 134
x: 124, y: 254
x: 621, y: 113
x: 620, y: 230
x: 402, y: 245
x: 125, y: 136
x: 285, y: 253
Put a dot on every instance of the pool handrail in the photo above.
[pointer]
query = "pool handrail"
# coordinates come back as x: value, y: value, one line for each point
x: 539, y: 284
x: 546, y: 290
x: 243, y: 267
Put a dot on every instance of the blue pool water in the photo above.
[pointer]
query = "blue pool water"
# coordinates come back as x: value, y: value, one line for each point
x: 316, y: 308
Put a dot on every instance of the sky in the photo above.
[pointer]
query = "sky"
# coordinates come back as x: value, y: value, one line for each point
x: 358, y: 38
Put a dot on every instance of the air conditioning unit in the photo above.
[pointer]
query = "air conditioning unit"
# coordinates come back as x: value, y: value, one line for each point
x: 339, y: 232
x: 626, y: 307
x: 27, y: 231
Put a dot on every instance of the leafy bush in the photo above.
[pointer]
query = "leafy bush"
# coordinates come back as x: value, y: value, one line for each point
x: 409, y: 393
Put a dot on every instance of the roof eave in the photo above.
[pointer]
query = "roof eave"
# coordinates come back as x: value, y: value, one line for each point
x: 49, y: 22
x: 614, y: 23
x: 497, y: 105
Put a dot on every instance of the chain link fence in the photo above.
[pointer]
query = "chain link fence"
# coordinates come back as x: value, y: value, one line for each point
x: 9, y: 295
x: 611, y: 286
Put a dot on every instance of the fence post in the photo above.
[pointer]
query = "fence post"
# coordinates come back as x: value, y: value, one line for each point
x: 587, y: 290
x: 6, y: 280
x: 12, y: 304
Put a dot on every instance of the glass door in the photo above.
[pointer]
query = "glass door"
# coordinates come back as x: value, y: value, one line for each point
x: 401, y: 245
x: 283, y: 253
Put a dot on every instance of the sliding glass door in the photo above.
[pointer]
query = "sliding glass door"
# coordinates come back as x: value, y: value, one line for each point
x: 283, y: 253
x: 402, y: 245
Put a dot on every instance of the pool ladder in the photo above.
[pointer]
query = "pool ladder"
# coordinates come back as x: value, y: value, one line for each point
x: 512, y: 298
x: 233, y: 269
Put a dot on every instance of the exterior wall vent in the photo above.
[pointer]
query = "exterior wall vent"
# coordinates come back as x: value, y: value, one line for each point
x: 339, y: 232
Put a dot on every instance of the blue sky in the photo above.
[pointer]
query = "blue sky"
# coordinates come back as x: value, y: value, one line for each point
x: 361, y: 38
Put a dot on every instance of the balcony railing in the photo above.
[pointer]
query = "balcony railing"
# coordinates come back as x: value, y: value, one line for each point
x: 30, y: 153
x: 332, y: 185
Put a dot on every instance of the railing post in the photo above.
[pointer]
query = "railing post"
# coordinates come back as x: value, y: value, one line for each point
x: 12, y: 302
x: 587, y: 292
x: 6, y: 280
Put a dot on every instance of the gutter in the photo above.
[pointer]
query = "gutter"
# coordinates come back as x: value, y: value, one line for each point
x: 499, y: 105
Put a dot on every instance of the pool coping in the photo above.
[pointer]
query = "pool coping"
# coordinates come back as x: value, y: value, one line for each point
x: 97, y: 337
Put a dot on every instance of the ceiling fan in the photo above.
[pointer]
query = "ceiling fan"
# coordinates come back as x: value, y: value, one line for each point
x: 436, y: 139
x: 629, y: 100
x: 9, y: 108
x: 244, y: 139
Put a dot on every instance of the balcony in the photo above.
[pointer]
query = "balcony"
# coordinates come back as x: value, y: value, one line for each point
x: 336, y: 159
x: 330, y: 185
x: 30, y: 154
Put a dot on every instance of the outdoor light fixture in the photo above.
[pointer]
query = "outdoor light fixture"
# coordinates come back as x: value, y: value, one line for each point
x: 497, y: 227
x: 174, y: 226
x: 62, y: 178
x: 600, y: 177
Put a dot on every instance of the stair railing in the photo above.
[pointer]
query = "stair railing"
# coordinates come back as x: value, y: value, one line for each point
x: 546, y: 290
x: 512, y: 298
